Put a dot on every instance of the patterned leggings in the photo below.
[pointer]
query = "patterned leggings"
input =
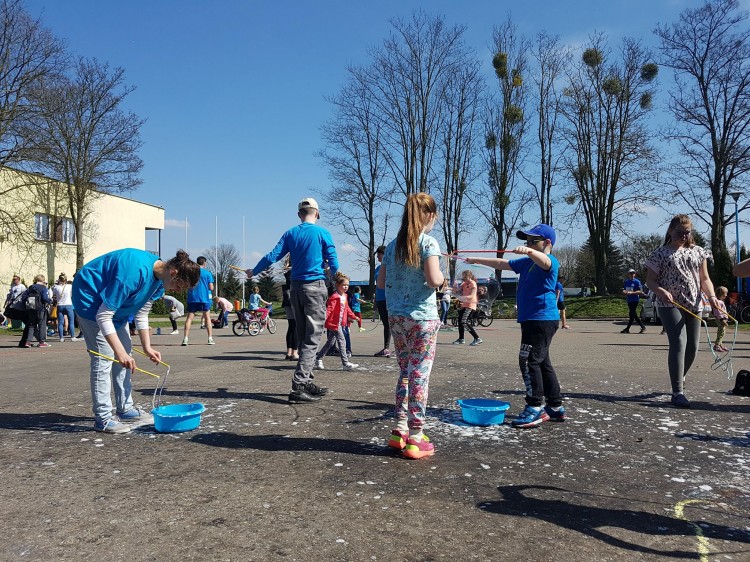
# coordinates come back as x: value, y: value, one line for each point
x: 415, y: 349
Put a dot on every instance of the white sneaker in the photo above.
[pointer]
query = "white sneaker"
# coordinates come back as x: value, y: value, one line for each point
x: 174, y: 333
x: 363, y: 329
x: 319, y: 365
x: 184, y: 341
x: 76, y: 339
x: 211, y: 341
x: 62, y: 339
x: 350, y: 366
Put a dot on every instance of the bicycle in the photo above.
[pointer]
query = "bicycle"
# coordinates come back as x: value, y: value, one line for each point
x: 246, y: 324
x: 264, y: 320
x: 740, y: 309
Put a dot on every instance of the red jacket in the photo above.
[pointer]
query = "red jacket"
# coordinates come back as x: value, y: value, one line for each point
x: 333, y: 311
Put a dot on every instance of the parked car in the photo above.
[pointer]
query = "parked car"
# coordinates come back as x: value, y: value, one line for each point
x: 650, y: 314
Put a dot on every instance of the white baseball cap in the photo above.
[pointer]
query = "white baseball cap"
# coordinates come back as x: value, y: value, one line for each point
x: 308, y: 203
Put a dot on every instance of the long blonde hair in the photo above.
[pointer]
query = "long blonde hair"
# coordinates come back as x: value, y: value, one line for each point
x: 683, y: 221
x: 418, y: 210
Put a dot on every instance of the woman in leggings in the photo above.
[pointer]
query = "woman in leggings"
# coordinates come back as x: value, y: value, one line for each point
x: 380, y: 304
x: 677, y: 272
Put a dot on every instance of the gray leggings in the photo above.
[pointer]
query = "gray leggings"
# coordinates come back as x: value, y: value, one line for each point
x: 683, y: 332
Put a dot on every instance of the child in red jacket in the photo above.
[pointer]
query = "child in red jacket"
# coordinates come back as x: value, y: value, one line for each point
x: 338, y: 314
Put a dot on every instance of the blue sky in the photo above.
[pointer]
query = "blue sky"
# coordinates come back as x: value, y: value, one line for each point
x: 234, y: 92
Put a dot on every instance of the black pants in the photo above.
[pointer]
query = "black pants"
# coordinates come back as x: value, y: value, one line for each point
x: 172, y: 320
x: 464, y: 314
x: 291, y: 333
x: 632, y: 306
x: 383, y: 313
x: 536, y: 367
x: 36, y: 321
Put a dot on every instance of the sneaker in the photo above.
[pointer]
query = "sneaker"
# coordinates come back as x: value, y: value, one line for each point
x: 25, y: 345
x: 725, y: 349
x: 112, y: 425
x: 530, y: 417
x: 350, y: 366
x: 625, y: 331
x: 319, y: 365
x: 300, y: 395
x: 184, y: 341
x: 62, y: 340
x: 43, y: 344
x: 383, y: 353
x: 679, y: 401
x: 348, y: 353
x: 211, y: 341
x: 459, y: 341
x: 642, y: 330
x: 718, y: 348
x: 76, y: 339
x: 316, y: 390
x: 136, y: 415
x: 566, y: 327
x: 174, y: 332
x: 476, y: 341
x: 203, y: 326
x: 362, y: 330
x: 418, y: 448
x: 398, y: 439
x: 555, y: 414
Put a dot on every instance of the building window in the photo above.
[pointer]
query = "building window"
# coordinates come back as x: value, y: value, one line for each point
x: 41, y: 227
x: 68, y: 231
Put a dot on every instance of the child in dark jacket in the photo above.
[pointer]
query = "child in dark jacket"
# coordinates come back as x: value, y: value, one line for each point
x: 338, y: 314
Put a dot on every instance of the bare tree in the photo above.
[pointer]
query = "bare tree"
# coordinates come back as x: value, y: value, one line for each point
x: 83, y: 137
x: 636, y: 250
x: 567, y: 256
x: 218, y: 260
x: 709, y: 51
x: 407, y: 81
x: 552, y: 59
x: 358, y: 198
x: 29, y: 54
x: 610, y: 157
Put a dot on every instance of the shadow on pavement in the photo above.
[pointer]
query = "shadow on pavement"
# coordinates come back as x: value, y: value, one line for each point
x: 282, y: 443
x: 223, y: 393
x: 49, y: 421
x: 590, y: 521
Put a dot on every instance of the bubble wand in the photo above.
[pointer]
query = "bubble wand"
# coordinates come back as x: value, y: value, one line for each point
x: 156, y: 400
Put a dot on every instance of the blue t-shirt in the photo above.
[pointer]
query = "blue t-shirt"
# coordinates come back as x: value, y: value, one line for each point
x: 310, y: 246
x: 254, y: 301
x: 123, y: 280
x: 201, y: 292
x: 379, y: 293
x: 560, y: 288
x: 406, y: 290
x: 354, y: 303
x: 535, y: 298
x: 632, y: 285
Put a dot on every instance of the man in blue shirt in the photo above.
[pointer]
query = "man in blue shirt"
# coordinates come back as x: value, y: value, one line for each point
x: 199, y: 300
x: 312, y: 251
x: 633, y: 290
x: 539, y: 318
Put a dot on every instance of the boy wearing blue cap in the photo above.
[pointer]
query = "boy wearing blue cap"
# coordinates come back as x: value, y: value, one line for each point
x: 539, y: 318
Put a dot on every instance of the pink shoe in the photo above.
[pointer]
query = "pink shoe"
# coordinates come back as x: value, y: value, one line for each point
x: 417, y: 449
x: 398, y: 439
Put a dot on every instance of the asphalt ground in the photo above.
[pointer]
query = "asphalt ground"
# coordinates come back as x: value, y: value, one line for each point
x: 625, y: 477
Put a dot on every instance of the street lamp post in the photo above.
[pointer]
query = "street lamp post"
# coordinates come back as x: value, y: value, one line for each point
x: 736, y: 195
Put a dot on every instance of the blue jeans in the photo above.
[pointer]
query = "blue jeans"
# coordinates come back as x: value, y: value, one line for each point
x: 62, y: 311
x: 106, y: 374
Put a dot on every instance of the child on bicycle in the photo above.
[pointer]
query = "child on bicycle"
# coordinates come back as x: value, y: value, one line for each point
x: 254, y: 304
x: 410, y: 273
x: 338, y: 314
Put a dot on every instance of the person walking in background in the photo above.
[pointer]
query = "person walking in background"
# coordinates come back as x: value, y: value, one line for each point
x: 356, y: 306
x: 560, y: 292
x: 311, y: 250
x: 539, y: 318
x: 722, y: 319
x: 338, y: 314
x: 37, y: 300
x: 286, y: 302
x: 199, y: 300
x: 382, y: 307
x: 223, y: 307
x: 445, y: 304
x: 176, y: 310
x: 106, y: 291
x: 409, y: 274
x: 633, y: 290
x: 468, y: 299
x: 677, y: 272
x: 62, y: 292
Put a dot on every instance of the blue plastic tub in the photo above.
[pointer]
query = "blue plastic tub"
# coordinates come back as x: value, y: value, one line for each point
x: 175, y: 418
x: 483, y: 411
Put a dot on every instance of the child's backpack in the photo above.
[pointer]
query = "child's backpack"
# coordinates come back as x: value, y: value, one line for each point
x: 33, y: 299
x: 742, y: 383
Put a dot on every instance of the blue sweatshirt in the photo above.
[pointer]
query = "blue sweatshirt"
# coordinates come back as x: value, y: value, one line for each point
x: 310, y: 246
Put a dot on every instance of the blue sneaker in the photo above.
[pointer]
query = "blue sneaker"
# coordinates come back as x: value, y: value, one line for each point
x: 555, y: 415
x: 530, y: 417
x: 112, y: 425
x: 136, y: 416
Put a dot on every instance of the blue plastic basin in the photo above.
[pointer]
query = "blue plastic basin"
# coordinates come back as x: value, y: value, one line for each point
x: 483, y: 411
x: 175, y: 418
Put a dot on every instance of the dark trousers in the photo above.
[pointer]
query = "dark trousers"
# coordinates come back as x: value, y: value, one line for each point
x: 539, y: 376
x: 291, y: 333
x: 36, y: 321
x: 383, y: 313
x: 463, y: 317
x: 172, y: 320
x: 632, y: 306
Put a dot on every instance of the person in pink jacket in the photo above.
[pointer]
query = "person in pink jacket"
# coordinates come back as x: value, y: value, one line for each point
x: 338, y: 315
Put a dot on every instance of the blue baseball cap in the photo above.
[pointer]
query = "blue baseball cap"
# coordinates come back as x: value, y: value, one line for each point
x: 544, y: 231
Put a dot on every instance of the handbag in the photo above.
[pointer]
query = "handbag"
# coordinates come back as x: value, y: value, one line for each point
x: 53, y: 313
x: 16, y: 309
